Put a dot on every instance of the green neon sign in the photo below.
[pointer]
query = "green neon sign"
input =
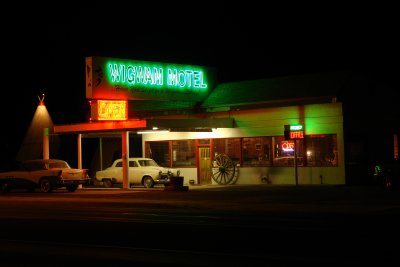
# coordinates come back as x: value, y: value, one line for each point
x: 125, y: 79
x: 296, y: 127
x: 144, y: 74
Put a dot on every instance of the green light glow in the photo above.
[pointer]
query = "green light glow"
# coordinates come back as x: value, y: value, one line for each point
x: 143, y: 74
x: 296, y: 127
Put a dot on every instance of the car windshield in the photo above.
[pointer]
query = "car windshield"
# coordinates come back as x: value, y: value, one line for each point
x: 148, y: 163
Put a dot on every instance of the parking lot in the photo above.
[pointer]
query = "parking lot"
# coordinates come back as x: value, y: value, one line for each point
x: 224, y: 225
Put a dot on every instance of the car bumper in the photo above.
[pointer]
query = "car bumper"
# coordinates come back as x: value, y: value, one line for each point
x: 77, y: 182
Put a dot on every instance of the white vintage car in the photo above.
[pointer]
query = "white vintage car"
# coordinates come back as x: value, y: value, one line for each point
x: 45, y: 174
x: 142, y: 171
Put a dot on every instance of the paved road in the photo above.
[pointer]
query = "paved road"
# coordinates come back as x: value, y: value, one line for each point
x: 205, y: 226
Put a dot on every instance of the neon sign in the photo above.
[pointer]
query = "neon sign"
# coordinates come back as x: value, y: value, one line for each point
x: 295, y: 131
x: 296, y: 135
x: 110, y: 110
x: 146, y: 75
x: 287, y: 146
x: 296, y: 127
x: 116, y: 79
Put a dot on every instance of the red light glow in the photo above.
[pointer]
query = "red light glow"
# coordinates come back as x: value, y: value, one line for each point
x: 296, y: 135
x: 112, y: 110
x: 287, y: 146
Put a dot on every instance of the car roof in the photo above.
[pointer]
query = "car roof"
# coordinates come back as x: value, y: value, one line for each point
x: 138, y: 159
x: 43, y: 160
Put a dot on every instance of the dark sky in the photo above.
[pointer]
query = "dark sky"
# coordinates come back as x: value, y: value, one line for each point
x: 44, y: 47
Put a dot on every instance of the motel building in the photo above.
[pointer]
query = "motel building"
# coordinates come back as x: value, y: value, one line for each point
x: 278, y: 131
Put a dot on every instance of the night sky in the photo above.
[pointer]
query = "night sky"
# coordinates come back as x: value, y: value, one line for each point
x: 44, y: 47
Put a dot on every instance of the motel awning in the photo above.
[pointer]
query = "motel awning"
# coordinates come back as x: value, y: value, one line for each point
x: 189, y: 125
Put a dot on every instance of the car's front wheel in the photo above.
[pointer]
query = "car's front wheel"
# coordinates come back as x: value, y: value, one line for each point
x: 107, y: 183
x: 148, y: 182
x: 46, y: 186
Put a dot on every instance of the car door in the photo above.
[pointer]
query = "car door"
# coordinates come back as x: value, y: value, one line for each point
x: 134, y: 175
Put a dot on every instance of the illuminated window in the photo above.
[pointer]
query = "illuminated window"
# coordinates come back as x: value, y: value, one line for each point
x: 229, y: 146
x: 159, y: 151
x: 284, y: 152
x: 321, y: 150
x: 256, y: 151
x: 183, y: 153
x: 263, y: 151
x: 203, y: 141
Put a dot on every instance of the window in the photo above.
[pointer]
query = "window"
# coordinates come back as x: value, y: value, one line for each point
x: 159, y: 151
x: 183, y: 153
x: 60, y: 164
x: 229, y: 146
x: 147, y: 163
x: 284, y: 151
x: 321, y: 150
x: 314, y: 150
x: 133, y: 164
x: 256, y: 151
x: 203, y: 141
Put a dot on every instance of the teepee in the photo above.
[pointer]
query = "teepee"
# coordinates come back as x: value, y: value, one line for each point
x: 32, y: 145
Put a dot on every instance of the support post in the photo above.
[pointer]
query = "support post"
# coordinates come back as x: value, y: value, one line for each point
x: 295, y: 162
x: 46, y: 153
x: 101, y: 152
x: 79, y: 153
x: 125, y: 160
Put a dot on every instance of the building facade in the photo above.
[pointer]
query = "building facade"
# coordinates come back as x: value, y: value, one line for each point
x: 224, y: 133
x: 257, y: 147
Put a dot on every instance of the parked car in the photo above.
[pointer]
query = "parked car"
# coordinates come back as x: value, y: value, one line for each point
x: 45, y: 174
x: 142, y: 171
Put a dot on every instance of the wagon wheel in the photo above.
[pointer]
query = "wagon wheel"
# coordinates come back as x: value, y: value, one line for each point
x: 223, y: 170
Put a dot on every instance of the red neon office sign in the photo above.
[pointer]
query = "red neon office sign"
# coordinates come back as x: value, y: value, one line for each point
x: 296, y: 131
x: 296, y: 135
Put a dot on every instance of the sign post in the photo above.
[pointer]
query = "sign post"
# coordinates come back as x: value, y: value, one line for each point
x: 294, y: 132
x: 295, y: 163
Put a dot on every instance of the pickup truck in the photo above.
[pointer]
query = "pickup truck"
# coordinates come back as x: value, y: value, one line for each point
x: 142, y: 171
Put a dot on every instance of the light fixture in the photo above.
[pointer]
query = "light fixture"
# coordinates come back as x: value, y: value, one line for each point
x: 41, y: 100
x: 152, y: 131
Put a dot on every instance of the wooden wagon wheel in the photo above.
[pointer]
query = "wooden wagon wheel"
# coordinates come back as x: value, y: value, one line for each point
x: 223, y: 170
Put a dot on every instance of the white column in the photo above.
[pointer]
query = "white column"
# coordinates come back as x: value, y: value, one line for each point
x: 46, y: 143
x: 80, y: 154
x: 80, y: 151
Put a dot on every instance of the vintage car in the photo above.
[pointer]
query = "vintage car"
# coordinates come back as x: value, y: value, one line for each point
x: 45, y: 174
x: 142, y: 171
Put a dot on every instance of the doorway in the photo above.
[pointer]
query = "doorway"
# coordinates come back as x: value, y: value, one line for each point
x: 204, y: 168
